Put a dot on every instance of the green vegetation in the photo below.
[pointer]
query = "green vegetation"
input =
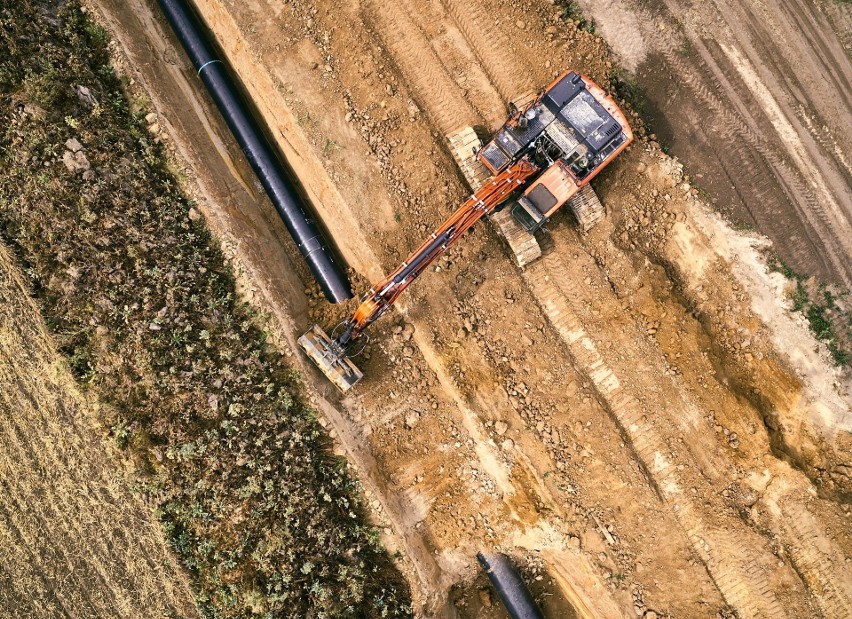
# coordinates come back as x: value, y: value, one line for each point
x: 827, y: 322
x: 625, y: 86
x: 143, y: 305
x: 571, y: 11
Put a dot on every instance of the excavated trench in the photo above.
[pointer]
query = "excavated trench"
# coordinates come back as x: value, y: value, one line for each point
x: 569, y: 414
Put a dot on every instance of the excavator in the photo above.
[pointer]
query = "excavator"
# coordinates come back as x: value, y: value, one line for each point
x: 541, y: 159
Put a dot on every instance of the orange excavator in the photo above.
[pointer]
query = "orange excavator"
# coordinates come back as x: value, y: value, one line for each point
x: 541, y: 159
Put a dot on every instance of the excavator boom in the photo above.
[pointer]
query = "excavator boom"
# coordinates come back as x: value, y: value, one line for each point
x: 329, y: 354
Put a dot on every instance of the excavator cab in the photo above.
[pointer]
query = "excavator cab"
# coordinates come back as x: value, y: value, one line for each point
x: 573, y: 130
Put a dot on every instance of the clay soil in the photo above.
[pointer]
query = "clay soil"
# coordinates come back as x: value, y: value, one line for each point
x: 636, y: 418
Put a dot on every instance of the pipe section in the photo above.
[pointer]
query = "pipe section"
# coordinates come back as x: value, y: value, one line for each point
x: 509, y: 586
x: 257, y: 149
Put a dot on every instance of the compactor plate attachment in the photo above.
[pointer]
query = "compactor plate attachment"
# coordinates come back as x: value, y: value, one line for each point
x: 330, y: 358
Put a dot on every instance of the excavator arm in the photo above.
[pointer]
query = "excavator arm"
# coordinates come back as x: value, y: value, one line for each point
x: 330, y: 355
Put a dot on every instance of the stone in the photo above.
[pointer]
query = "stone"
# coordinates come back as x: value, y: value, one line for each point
x: 500, y: 428
x: 85, y: 95
x: 194, y: 215
x: 73, y: 144
x: 75, y: 162
x: 521, y: 24
x: 507, y: 445
x: 411, y: 419
x: 650, y: 615
x: 151, y: 118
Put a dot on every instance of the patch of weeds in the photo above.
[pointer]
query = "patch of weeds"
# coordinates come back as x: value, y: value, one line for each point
x: 143, y: 305
x: 819, y: 306
x: 330, y: 147
x: 686, y: 49
x: 571, y: 11
x: 626, y: 87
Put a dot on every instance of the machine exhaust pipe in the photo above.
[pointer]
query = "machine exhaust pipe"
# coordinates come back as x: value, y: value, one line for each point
x: 263, y: 159
x: 509, y: 586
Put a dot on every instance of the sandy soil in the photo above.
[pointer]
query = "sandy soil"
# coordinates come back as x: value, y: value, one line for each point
x: 75, y: 542
x: 754, y: 96
x: 617, y: 416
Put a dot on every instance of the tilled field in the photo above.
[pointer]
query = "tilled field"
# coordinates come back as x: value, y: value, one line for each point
x: 623, y: 416
x: 76, y: 543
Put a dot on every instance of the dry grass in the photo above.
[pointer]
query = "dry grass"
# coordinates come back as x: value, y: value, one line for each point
x: 75, y: 541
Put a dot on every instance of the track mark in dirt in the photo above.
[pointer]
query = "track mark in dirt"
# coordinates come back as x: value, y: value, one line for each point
x: 434, y: 88
x: 742, y: 586
x: 492, y: 48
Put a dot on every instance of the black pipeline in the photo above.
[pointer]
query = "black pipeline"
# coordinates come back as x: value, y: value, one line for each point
x: 261, y: 156
x: 509, y: 586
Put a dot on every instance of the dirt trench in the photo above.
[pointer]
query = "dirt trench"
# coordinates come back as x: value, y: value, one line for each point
x: 579, y: 415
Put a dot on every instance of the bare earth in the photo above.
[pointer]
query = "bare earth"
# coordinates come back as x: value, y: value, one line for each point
x: 75, y: 542
x: 754, y: 96
x: 636, y: 417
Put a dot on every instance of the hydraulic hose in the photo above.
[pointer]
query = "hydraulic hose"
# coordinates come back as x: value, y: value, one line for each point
x: 268, y: 166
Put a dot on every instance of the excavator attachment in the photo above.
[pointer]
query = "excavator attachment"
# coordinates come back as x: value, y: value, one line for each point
x: 330, y: 358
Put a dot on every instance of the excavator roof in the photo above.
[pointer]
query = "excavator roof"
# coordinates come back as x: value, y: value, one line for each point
x: 570, y: 115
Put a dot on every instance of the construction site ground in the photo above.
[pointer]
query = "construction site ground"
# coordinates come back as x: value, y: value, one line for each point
x: 637, y: 418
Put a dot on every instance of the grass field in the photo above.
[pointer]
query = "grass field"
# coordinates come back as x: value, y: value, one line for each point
x: 142, y: 305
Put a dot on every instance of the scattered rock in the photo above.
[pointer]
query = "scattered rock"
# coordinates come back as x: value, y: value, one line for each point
x: 411, y: 419
x: 76, y: 162
x: 151, y: 118
x: 194, y: 215
x: 73, y: 144
x: 500, y: 428
x: 85, y: 95
x: 521, y: 24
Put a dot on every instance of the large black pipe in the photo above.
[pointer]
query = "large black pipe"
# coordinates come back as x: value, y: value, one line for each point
x: 263, y: 159
x: 509, y: 586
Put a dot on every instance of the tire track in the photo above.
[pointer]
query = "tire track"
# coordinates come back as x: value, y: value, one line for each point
x: 815, y: 557
x: 740, y: 582
x: 491, y: 48
x: 742, y: 141
x: 410, y: 51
